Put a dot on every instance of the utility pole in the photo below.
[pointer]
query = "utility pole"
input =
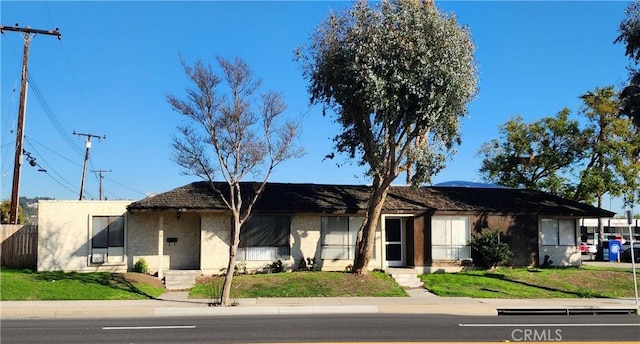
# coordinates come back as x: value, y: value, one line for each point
x: 86, y: 156
x: 101, y: 177
x: 17, y: 163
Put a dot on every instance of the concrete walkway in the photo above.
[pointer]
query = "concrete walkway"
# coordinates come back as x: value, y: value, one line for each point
x: 419, y: 301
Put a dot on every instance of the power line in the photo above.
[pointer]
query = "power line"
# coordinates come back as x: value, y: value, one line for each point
x: 53, y: 118
x: 49, y: 165
x: 126, y: 187
x: 29, y: 33
x: 32, y: 162
x: 30, y: 139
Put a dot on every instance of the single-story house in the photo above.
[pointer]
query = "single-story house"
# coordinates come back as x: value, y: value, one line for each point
x: 427, y: 229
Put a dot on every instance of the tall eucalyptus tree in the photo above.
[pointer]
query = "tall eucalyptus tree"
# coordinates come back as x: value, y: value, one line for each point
x: 398, y: 76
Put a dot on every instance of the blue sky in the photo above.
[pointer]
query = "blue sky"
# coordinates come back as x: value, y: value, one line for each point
x: 117, y: 60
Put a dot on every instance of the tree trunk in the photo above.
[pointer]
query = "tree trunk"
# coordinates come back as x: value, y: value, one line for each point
x: 231, y: 266
x: 366, y: 238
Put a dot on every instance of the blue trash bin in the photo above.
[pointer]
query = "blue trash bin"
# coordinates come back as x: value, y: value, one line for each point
x: 615, y: 248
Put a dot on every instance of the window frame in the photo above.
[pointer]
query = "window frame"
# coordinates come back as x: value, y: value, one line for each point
x: 339, y: 251
x: 111, y: 233
x: 251, y: 249
x: 556, y: 238
x: 452, y: 250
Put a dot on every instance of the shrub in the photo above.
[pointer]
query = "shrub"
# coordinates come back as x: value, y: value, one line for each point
x: 492, y: 251
x: 214, y: 291
x: 275, y: 267
x: 240, y: 268
x: 309, y: 265
x: 141, y: 266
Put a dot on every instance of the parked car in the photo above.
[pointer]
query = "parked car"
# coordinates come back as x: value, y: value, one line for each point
x: 627, y: 244
x: 625, y: 256
x: 588, y: 248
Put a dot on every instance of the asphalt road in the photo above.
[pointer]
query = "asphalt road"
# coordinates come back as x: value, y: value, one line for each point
x: 325, y: 328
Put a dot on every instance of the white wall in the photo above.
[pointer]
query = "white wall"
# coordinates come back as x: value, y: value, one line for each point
x: 560, y: 255
x: 64, y: 234
x: 304, y: 241
x: 64, y: 237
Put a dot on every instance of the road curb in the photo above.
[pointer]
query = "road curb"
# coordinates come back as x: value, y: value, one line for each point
x: 567, y: 311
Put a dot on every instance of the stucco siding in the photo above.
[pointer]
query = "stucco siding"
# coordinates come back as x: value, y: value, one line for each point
x: 305, y: 239
x: 214, y: 237
x: 560, y: 255
x: 64, y: 235
x: 142, y: 240
x: 182, y: 241
x: 305, y: 242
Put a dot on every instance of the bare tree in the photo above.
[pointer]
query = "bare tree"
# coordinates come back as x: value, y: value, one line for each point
x: 225, y: 135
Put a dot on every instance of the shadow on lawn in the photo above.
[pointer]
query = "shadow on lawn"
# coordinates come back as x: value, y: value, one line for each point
x: 580, y: 294
x: 107, y: 279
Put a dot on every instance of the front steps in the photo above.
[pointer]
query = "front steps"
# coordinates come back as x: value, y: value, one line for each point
x: 180, y: 279
x: 405, y: 277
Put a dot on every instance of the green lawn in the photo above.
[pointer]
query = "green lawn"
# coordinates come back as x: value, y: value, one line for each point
x: 534, y: 283
x: 28, y: 285
x: 501, y: 283
x: 301, y: 284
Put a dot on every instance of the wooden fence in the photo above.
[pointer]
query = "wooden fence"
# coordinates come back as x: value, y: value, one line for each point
x: 19, y: 246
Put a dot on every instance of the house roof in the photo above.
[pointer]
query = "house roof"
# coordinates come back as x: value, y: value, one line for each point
x: 326, y: 198
x: 507, y: 200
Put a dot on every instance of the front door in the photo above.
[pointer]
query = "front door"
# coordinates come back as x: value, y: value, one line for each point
x: 394, y: 239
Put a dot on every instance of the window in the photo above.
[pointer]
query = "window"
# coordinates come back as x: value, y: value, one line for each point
x: 558, y: 232
x: 107, y: 239
x: 265, y: 237
x: 450, y: 237
x: 339, y: 234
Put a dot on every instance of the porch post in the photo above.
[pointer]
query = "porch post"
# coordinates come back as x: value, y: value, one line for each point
x: 161, y: 247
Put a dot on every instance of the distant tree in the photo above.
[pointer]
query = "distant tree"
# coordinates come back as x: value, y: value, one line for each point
x: 612, y: 150
x: 398, y: 76
x: 629, y: 34
x: 537, y: 155
x: 5, y: 209
x: 555, y: 155
x: 242, y: 140
x: 612, y: 154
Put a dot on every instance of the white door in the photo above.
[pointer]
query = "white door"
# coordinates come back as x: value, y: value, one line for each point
x: 394, y: 241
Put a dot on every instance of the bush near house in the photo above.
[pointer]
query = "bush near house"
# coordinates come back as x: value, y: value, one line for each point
x: 141, y: 266
x: 493, y: 252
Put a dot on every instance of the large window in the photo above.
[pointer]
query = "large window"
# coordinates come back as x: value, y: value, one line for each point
x: 558, y: 232
x: 450, y: 237
x: 107, y: 239
x: 339, y: 234
x: 265, y: 237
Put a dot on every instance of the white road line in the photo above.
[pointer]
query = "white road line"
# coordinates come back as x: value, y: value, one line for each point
x: 148, y: 327
x: 548, y: 325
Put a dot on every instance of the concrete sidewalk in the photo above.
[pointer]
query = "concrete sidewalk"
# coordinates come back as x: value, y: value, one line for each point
x: 419, y: 301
